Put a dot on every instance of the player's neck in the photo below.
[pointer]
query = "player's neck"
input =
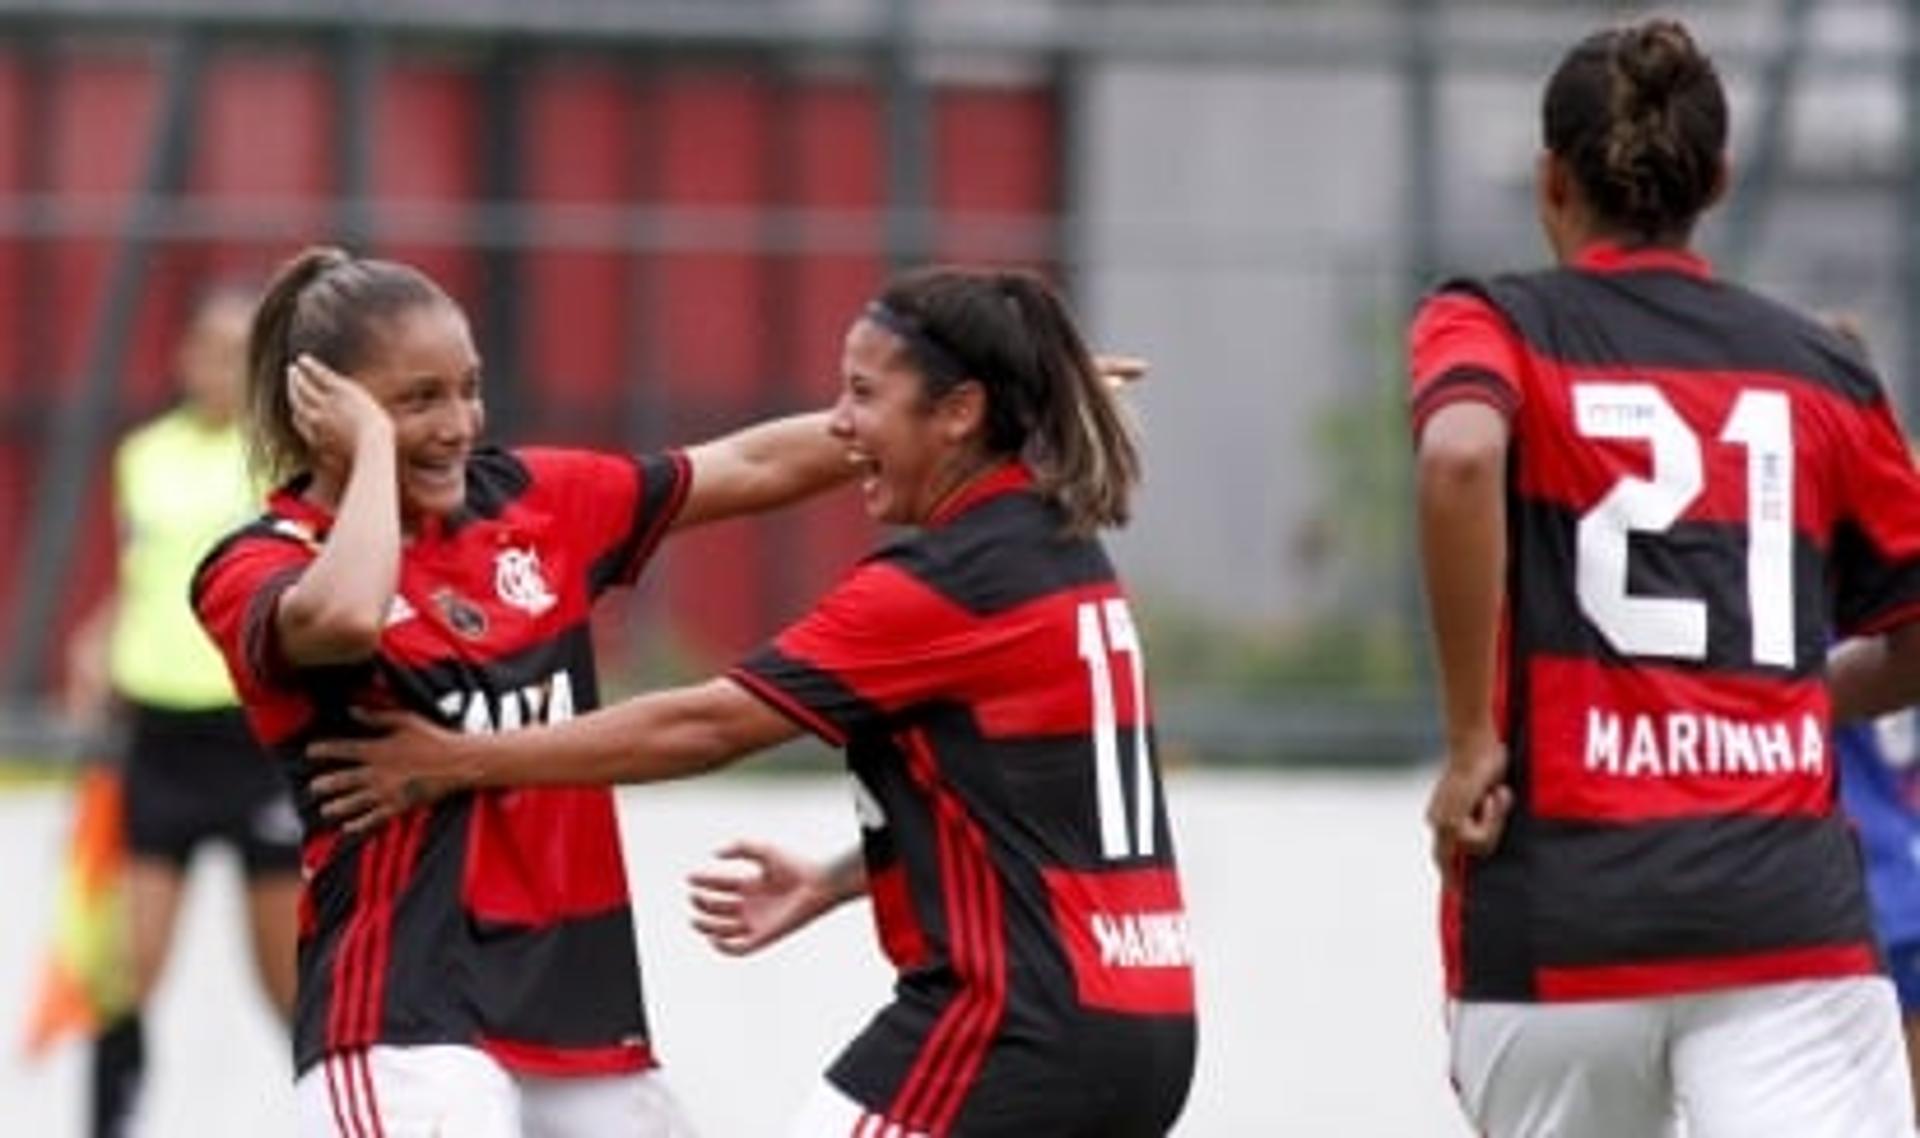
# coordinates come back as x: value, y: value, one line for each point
x: 966, y: 470
x: 207, y: 417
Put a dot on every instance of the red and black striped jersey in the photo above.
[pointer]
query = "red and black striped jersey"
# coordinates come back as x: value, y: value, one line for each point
x: 1703, y: 486
x: 986, y: 680
x: 498, y: 919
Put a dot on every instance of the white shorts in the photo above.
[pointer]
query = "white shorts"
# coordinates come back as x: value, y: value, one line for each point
x: 1811, y: 1059
x: 444, y: 1090
x: 829, y: 1113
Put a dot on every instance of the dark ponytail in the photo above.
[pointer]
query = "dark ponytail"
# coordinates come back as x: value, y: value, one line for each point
x: 328, y: 304
x: 1639, y: 115
x: 275, y: 450
x: 1045, y: 402
x: 1082, y: 441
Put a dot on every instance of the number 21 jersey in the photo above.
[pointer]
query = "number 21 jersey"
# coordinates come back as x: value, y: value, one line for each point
x: 1703, y: 488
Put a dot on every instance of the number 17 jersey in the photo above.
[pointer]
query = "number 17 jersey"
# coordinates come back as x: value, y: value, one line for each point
x: 987, y: 683
x: 1703, y: 487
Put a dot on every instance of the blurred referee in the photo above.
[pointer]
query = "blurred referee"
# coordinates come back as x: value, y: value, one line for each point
x: 192, y: 771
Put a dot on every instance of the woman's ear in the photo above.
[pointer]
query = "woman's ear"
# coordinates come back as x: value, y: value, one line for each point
x: 1560, y: 206
x: 1550, y: 184
x: 963, y: 411
x: 1722, y: 179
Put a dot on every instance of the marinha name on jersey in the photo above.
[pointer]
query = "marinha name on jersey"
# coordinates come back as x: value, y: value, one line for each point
x: 1127, y: 938
x: 1142, y: 940
x: 481, y: 712
x: 1676, y: 744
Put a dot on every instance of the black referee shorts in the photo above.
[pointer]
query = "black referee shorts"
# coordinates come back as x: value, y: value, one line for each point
x: 196, y: 776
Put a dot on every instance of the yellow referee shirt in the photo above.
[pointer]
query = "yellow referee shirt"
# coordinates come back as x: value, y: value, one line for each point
x: 179, y: 486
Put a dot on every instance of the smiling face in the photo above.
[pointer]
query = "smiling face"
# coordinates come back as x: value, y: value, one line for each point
x: 911, y: 452
x: 426, y: 374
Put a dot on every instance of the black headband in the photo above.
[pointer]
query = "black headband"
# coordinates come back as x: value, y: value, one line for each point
x: 923, y: 342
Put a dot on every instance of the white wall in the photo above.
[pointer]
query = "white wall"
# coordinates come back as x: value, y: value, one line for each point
x: 1310, y: 898
x: 1237, y: 232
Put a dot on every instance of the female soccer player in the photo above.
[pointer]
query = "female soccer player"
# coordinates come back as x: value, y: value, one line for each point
x: 469, y: 970
x: 985, y: 677
x: 1645, y: 497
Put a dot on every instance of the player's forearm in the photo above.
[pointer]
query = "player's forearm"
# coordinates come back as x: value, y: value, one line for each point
x: 1874, y: 675
x: 846, y: 878
x: 791, y: 458
x: 1462, y: 505
x: 648, y: 738
x: 338, y: 607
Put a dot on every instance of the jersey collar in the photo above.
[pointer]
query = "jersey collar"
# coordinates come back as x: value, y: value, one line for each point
x: 1611, y: 257
x: 289, y: 501
x: 1007, y: 478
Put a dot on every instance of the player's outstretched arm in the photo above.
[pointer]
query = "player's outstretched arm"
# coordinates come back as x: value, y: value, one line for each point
x: 763, y: 467
x: 743, y: 913
x: 1119, y: 370
x: 647, y: 738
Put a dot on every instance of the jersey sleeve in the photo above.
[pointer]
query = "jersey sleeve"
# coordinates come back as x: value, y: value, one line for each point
x: 880, y: 643
x: 616, y: 507
x: 1461, y: 348
x: 235, y: 592
x: 1876, y: 544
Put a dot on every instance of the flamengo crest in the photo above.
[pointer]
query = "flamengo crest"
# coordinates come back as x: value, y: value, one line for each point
x: 518, y: 580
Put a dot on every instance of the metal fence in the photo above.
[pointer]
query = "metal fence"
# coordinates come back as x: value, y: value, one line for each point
x: 1253, y: 194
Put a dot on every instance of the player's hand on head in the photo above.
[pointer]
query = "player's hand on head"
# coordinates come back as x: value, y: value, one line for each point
x: 331, y: 412
x: 410, y: 762
x: 762, y: 895
x: 1467, y: 811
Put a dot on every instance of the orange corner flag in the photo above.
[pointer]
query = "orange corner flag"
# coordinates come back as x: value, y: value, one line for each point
x: 85, y: 979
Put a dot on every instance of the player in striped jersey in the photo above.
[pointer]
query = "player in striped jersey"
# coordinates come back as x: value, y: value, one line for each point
x: 986, y: 679
x: 470, y: 969
x: 1646, y: 496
